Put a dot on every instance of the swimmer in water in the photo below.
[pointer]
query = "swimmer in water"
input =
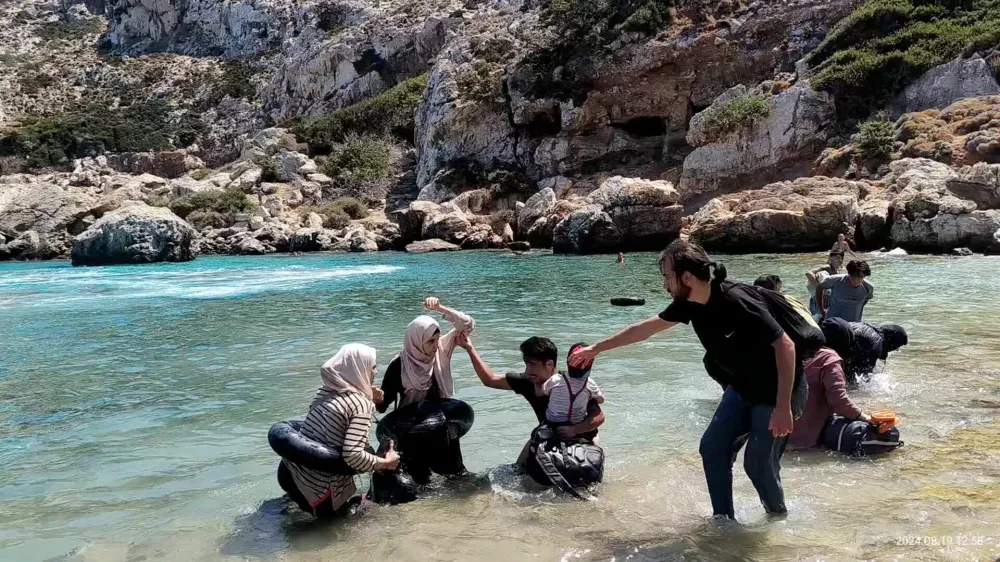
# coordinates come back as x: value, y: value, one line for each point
x: 621, y: 258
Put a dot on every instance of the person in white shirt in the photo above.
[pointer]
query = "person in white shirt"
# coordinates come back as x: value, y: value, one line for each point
x: 569, y: 393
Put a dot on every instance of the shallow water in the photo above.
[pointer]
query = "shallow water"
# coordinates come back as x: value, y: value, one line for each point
x: 135, y: 401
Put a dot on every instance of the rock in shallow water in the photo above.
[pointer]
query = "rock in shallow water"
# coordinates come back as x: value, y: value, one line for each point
x: 434, y: 245
x: 135, y: 234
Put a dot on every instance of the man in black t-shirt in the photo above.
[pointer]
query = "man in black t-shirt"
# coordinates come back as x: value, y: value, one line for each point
x: 540, y: 356
x: 754, y: 341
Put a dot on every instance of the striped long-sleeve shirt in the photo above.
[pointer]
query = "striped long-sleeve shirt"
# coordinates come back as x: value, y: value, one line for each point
x: 341, y: 421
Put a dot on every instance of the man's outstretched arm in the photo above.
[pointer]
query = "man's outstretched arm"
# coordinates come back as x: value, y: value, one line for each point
x: 483, y: 371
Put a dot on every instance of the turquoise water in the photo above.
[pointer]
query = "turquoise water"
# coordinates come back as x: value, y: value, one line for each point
x: 135, y: 401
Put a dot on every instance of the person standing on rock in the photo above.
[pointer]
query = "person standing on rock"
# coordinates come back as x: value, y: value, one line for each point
x: 754, y: 341
x: 848, y: 294
x: 817, y: 275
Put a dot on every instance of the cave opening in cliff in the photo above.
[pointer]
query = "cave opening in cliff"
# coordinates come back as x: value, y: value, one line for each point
x: 546, y: 123
x: 644, y: 126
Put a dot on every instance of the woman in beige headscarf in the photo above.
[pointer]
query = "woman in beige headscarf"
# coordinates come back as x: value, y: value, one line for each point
x: 339, y: 417
x: 422, y: 371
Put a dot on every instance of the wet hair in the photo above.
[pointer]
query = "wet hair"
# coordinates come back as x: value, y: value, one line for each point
x: 893, y: 338
x: 685, y: 256
x: 858, y: 268
x: 771, y: 282
x: 539, y: 349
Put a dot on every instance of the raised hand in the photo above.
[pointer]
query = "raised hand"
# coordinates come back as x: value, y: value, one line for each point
x: 462, y: 340
x: 432, y: 303
x: 582, y: 357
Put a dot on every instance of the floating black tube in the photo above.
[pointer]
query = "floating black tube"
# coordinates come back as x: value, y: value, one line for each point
x: 287, y: 440
x: 628, y: 301
x: 448, y: 417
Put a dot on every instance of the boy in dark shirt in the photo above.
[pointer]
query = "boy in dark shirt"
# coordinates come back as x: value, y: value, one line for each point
x: 754, y: 340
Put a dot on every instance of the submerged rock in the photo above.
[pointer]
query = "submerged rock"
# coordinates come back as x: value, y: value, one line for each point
x: 135, y: 234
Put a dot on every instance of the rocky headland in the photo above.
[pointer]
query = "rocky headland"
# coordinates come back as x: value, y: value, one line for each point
x: 139, y: 131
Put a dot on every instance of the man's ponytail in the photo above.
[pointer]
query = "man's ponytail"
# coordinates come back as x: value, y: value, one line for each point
x: 718, y: 273
x: 685, y: 257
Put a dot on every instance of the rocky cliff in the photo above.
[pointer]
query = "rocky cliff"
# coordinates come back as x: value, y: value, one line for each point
x: 590, y: 126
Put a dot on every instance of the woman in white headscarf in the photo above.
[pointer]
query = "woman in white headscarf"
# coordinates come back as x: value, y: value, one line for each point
x: 422, y: 371
x: 339, y: 417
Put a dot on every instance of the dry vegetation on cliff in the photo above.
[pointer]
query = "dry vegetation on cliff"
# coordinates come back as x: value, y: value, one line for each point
x: 886, y: 44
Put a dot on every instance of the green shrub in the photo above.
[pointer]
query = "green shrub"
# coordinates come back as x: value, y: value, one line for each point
x: 884, y: 45
x: 35, y: 82
x: 740, y: 113
x: 229, y: 201
x: 234, y: 80
x: 340, y: 212
x: 336, y: 219
x: 145, y: 126
x: 482, y: 84
x: 68, y: 30
x: 875, y: 138
x: 600, y: 22
x: 353, y: 207
x: 365, y: 159
x: 205, y: 219
x: 389, y: 113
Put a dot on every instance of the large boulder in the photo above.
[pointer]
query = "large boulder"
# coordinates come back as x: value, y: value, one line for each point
x: 537, y: 206
x: 873, y: 229
x: 540, y: 233
x: 645, y: 213
x: 45, y: 208
x: 979, y: 183
x: 450, y: 226
x: 948, y: 83
x: 589, y: 230
x: 800, y: 215
x: 434, y: 245
x: 780, y: 146
x: 135, y: 234
x: 929, y: 211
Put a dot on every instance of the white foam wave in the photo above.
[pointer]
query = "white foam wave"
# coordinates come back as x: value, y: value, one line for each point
x: 61, y: 286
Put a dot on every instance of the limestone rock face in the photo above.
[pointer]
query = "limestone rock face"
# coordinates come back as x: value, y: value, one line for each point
x: 928, y: 215
x: 589, y: 230
x: 939, y: 87
x: 799, y: 215
x: 537, y: 206
x: 780, y: 146
x: 588, y: 113
x: 645, y: 213
x: 135, y: 234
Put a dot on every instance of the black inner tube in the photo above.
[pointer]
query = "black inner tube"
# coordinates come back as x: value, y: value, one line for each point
x: 426, y: 418
x: 628, y: 301
x: 287, y: 440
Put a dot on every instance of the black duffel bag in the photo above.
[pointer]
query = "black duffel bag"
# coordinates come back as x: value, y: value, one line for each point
x: 859, y: 438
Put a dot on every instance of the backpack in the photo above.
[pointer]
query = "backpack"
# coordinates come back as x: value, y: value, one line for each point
x: 859, y: 438
x: 569, y: 465
x: 793, y: 317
